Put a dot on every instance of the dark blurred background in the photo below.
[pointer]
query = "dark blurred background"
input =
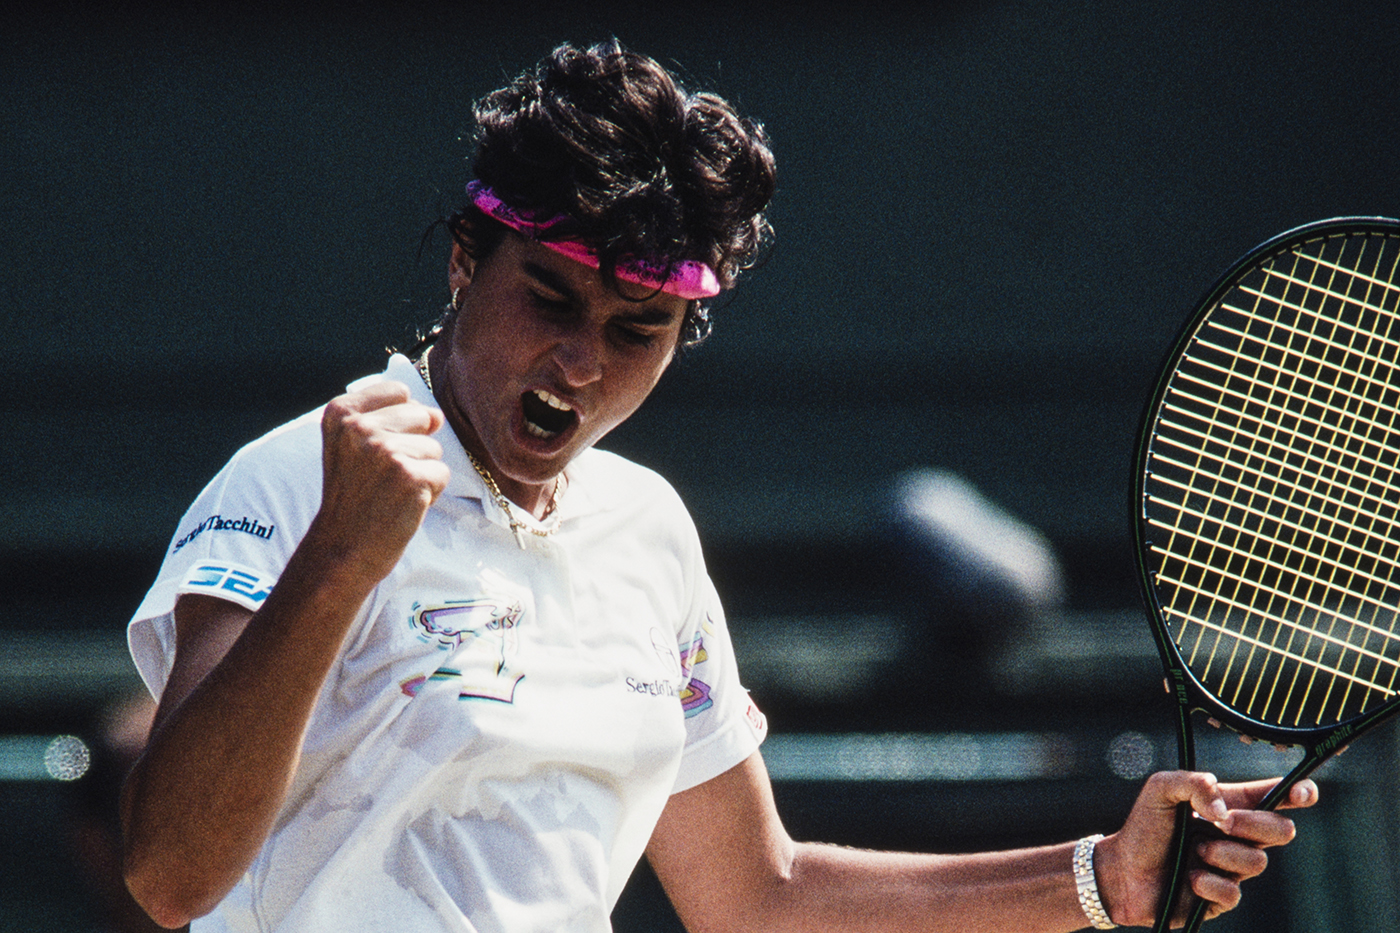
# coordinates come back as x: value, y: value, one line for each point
x: 908, y: 445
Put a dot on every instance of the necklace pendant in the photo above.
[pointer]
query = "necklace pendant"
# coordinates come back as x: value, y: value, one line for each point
x: 519, y: 535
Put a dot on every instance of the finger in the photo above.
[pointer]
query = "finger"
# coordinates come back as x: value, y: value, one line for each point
x: 375, y: 395
x: 1259, y: 827
x: 413, y: 446
x: 341, y: 419
x: 389, y: 399
x: 351, y: 408
x: 1201, y: 790
x: 1247, y: 795
x: 432, y: 474
x: 1166, y: 789
x: 1234, y: 859
x: 1302, y: 794
x: 1222, y: 893
x: 403, y: 418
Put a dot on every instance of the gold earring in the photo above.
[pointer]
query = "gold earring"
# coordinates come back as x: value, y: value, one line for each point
x: 454, y: 299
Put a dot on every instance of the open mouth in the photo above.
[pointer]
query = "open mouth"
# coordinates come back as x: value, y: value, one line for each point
x: 546, y: 414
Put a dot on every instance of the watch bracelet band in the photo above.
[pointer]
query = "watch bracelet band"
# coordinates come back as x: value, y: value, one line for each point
x: 1087, y: 884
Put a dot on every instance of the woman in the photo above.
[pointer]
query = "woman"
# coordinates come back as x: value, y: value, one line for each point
x: 427, y: 660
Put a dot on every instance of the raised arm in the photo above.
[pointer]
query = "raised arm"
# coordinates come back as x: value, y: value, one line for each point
x: 728, y: 865
x: 228, y: 733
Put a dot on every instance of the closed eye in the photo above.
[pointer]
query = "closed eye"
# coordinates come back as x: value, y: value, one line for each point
x: 554, y: 305
x: 635, y: 337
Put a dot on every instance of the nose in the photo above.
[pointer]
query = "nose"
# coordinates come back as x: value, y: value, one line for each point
x: 580, y: 357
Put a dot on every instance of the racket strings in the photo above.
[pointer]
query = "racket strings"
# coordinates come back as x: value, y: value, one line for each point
x: 1382, y: 318
x: 1258, y: 584
x: 1310, y: 338
x: 1353, y: 506
x: 1212, y: 418
x: 1272, y: 479
x: 1325, y: 372
x: 1348, y: 407
x: 1279, y: 385
x: 1376, y: 331
x: 1386, y: 283
x: 1328, y: 371
x: 1363, y: 504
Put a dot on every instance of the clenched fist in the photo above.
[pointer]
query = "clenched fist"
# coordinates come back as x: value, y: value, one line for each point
x: 381, y: 470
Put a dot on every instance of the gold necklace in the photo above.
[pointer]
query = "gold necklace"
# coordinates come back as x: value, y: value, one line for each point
x: 517, y: 527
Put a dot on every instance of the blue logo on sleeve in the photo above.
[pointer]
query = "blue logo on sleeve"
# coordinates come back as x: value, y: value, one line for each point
x: 219, y: 579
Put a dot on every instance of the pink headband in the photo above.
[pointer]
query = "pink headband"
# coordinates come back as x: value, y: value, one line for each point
x: 688, y: 279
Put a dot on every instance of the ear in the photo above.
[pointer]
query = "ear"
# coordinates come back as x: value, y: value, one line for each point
x: 459, y: 269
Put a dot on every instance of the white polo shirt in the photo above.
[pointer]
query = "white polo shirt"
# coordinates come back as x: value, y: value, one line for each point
x: 503, y: 726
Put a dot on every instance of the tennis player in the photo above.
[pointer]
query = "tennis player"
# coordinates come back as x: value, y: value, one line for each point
x: 428, y: 661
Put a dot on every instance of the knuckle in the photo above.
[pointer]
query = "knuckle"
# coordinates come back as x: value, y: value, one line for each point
x: 337, y: 409
x: 347, y: 420
x: 379, y: 449
x: 1161, y: 780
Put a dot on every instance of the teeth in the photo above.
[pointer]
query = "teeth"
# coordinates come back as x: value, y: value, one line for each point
x: 554, y: 424
x: 552, y: 400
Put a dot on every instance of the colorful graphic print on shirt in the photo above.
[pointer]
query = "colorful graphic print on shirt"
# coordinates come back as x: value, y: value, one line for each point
x: 483, y: 638
x: 695, y: 696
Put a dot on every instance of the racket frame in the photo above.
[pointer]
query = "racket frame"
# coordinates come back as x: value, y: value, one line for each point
x: 1188, y: 693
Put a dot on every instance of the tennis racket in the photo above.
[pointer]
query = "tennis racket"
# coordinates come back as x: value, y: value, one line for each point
x: 1267, y: 502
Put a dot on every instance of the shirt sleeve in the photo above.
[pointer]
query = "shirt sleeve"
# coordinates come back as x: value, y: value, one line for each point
x: 233, y: 541
x: 723, y: 725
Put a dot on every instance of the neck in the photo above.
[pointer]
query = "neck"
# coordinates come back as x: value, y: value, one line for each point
x: 538, y: 500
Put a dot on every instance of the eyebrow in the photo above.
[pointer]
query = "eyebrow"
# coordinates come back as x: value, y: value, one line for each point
x: 550, y: 279
x: 644, y: 313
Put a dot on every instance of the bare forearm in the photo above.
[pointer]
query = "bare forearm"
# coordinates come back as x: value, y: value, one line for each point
x: 202, y: 799
x: 729, y: 866
x: 832, y: 888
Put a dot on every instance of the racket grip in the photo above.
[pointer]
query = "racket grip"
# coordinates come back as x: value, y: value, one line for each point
x: 1177, y: 870
x: 1196, y: 917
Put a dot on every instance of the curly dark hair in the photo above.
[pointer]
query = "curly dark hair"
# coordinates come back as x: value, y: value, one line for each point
x: 637, y: 165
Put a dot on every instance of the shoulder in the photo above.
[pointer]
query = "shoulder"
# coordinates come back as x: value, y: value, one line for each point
x: 628, y: 502
x: 294, y: 441
x: 613, y: 482
x: 628, y: 519
x: 291, y: 451
x: 296, y: 445
x: 272, y: 483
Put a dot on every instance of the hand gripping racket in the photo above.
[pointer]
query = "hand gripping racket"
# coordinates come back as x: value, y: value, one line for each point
x: 1268, y: 502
